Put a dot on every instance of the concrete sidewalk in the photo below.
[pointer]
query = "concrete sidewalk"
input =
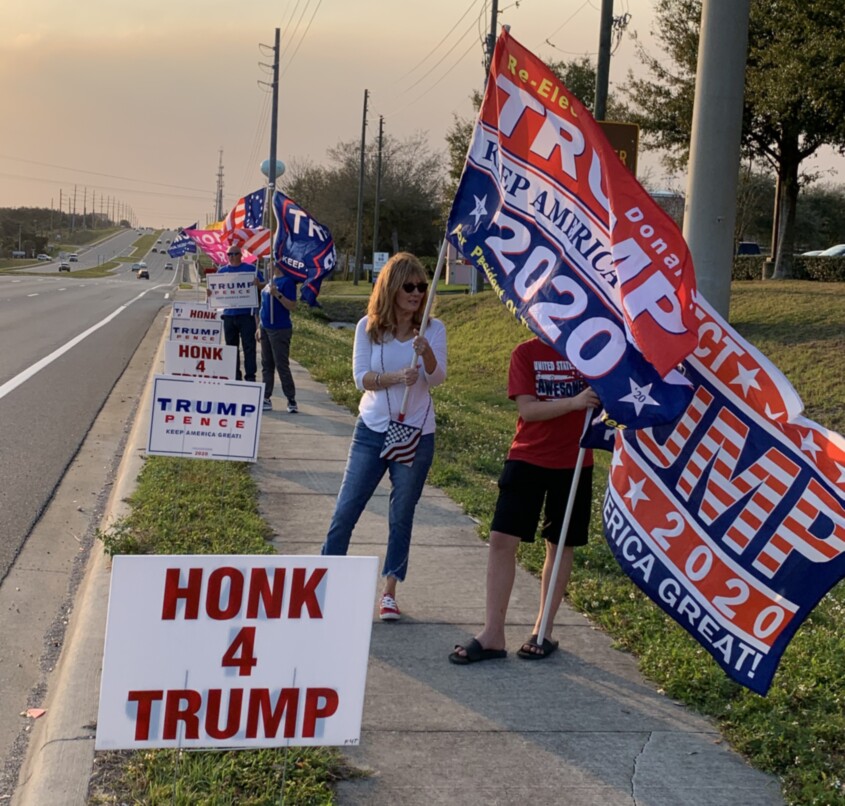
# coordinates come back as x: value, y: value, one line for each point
x: 580, y: 729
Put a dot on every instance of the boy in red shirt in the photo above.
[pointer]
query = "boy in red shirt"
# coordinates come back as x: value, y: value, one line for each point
x: 551, y: 397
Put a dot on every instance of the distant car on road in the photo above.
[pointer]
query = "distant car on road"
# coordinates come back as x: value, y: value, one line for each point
x: 168, y: 265
x: 143, y: 274
x: 834, y: 251
x: 136, y: 266
x: 73, y: 258
x: 64, y: 266
x: 154, y: 249
x: 812, y: 253
x: 44, y: 257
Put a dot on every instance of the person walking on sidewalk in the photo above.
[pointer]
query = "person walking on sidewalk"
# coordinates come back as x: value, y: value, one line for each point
x: 240, y: 324
x: 278, y: 299
x: 551, y: 396
x: 386, y: 341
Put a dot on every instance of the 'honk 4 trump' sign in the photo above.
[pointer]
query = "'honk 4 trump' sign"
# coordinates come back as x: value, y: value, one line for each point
x: 235, y: 651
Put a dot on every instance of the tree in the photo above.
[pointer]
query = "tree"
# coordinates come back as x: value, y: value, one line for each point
x: 794, y: 93
x: 411, y: 189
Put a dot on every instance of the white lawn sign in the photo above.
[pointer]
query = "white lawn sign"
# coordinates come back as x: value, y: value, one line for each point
x: 234, y: 289
x: 205, y: 419
x: 196, y: 322
x: 235, y: 651
x: 200, y: 360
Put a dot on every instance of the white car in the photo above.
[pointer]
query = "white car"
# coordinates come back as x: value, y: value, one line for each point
x: 44, y: 257
x: 834, y: 251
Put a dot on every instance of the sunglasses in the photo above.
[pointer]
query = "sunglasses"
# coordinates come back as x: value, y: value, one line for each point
x: 233, y: 254
x: 409, y: 288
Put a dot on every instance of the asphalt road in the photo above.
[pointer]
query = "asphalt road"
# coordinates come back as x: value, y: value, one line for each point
x: 66, y: 341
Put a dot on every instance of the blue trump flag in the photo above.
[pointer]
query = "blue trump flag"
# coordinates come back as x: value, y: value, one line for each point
x: 182, y: 243
x: 302, y: 247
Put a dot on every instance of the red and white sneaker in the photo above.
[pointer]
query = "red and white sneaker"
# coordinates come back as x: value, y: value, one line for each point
x: 389, y: 610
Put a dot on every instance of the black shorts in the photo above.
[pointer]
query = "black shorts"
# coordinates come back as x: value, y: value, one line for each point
x: 526, y: 491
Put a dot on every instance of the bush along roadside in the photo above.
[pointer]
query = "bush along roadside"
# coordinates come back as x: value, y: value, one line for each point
x: 187, y: 506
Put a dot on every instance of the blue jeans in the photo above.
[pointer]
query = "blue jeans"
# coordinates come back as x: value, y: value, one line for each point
x: 239, y: 331
x: 364, y: 470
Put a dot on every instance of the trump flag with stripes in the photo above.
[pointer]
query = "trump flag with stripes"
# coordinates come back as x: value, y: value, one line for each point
x: 732, y: 520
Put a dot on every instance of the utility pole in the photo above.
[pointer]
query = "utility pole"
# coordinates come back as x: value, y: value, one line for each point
x: 218, y: 205
x: 710, y: 210
x: 73, y: 218
x: 603, y: 64
x: 359, y: 233
x: 475, y: 280
x: 491, y: 38
x: 274, y: 128
x: 378, y: 186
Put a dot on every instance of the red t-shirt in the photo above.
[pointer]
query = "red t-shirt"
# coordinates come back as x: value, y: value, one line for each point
x: 539, y: 370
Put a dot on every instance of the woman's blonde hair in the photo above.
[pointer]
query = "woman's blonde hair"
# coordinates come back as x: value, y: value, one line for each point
x: 402, y: 268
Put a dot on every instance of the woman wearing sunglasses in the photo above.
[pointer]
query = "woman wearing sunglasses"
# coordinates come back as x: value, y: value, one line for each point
x: 389, y: 356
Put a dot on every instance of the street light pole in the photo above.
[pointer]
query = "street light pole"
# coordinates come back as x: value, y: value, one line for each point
x: 710, y: 210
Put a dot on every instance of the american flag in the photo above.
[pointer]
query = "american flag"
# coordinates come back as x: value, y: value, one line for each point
x: 243, y: 225
x: 400, y: 443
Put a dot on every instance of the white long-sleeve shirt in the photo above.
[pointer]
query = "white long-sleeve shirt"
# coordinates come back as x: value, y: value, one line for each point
x: 378, y: 407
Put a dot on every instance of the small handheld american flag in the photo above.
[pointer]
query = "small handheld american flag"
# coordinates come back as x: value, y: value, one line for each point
x: 400, y: 442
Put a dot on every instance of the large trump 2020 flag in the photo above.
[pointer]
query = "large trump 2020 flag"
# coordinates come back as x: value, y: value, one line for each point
x: 724, y: 505
x: 572, y: 244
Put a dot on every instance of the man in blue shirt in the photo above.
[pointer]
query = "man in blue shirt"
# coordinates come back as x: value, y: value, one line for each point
x: 278, y: 299
x: 240, y: 324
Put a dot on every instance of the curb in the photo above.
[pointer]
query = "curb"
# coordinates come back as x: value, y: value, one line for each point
x: 60, y: 757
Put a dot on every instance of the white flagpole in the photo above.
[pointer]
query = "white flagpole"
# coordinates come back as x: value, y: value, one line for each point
x: 567, y: 517
x: 441, y: 259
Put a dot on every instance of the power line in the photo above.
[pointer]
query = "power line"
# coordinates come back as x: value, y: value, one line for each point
x: 466, y: 33
x: 302, y: 38
x: 445, y: 37
x: 97, y: 173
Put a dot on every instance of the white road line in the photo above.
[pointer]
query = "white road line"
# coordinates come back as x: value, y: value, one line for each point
x: 24, y: 376
x: 32, y: 295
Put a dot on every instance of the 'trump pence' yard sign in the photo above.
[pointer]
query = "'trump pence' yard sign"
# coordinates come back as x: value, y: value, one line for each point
x: 235, y: 651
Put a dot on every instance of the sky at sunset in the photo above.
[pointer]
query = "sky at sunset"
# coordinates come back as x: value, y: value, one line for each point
x: 135, y: 101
